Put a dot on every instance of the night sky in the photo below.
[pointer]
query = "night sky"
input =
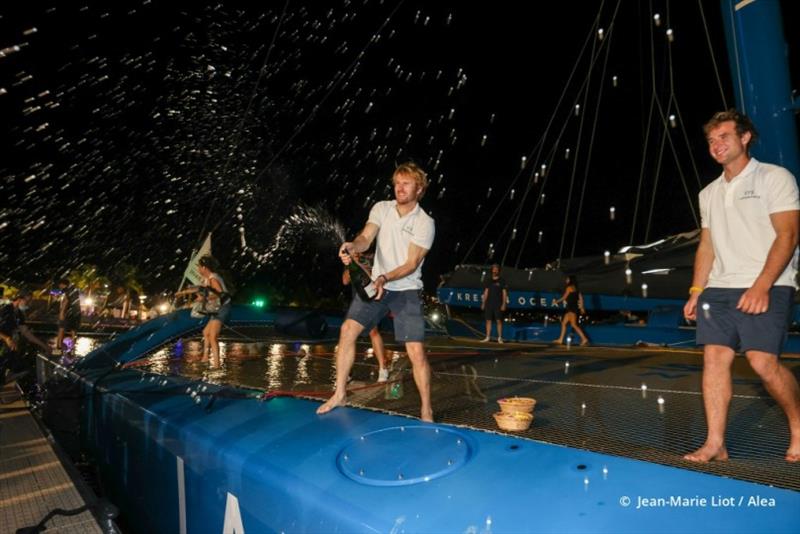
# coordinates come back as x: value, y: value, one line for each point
x: 132, y: 128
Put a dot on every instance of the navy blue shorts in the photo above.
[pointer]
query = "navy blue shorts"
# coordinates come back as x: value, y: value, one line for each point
x: 406, y: 306
x: 493, y: 314
x: 720, y: 323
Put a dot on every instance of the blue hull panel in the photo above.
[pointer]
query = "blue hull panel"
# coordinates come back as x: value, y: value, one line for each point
x: 276, y: 466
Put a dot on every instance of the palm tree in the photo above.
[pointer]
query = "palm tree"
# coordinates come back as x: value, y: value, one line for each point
x: 87, y: 278
x: 127, y: 276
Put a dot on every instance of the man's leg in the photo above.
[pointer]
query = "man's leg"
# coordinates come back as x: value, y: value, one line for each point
x: 488, y: 330
x: 422, y: 377
x: 60, y: 338
x: 345, y: 355
x: 499, y: 330
x: 380, y: 354
x: 782, y: 385
x: 717, y: 391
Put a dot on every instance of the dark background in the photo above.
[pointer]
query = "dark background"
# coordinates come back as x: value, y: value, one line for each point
x: 130, y: 130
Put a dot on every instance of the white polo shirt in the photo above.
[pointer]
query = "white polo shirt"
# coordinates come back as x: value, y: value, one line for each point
x: 395, y: 234
x: 737, y: 214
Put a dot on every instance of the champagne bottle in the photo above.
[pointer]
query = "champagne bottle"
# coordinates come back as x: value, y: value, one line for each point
x: 361, y: 281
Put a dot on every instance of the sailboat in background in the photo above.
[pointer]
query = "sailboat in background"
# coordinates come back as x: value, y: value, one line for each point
x: 651, y: 278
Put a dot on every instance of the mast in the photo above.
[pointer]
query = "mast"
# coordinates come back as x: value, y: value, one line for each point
x: 759, y: 65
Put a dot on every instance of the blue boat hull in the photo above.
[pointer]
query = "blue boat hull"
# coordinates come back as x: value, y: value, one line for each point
x: 185, y: 456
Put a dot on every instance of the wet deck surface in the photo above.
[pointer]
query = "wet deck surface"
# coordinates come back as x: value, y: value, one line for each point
x: 590, y: 398
x: 32, y: 479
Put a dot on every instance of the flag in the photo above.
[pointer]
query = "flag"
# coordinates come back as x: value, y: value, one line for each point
x: 191, y: 270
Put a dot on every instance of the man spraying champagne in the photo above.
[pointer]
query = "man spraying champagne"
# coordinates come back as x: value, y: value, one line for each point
x: 404, y: 235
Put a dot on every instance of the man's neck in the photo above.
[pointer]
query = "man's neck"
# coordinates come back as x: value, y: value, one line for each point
x: 734, y: 168
x: 405, y: 209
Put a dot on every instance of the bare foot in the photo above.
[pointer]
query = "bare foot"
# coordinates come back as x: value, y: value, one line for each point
x: 557, y: 342
x: 427, y: 416
x: 584, y: 342
x: 708, y: 453
x: 334, y: 402
x: 793, y: 453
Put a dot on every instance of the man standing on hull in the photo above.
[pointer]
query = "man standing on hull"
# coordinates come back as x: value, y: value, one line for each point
x: 744, y: 272
x: 404, y: 235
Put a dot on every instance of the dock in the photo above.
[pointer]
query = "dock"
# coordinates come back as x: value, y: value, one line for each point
x: 33, y: 479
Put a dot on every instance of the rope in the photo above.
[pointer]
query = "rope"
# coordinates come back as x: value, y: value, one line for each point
x: 575, y: 160
x: 537, y: 148
x: 590, y: 36
x: 664, y: 136
x: 592, y: 135
x: 711, y: 53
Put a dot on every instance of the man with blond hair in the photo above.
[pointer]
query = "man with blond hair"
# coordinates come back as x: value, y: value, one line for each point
x: 404, y: 234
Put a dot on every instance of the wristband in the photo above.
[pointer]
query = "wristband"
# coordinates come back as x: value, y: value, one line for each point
x: 385, y: 279
x: 695, y: 289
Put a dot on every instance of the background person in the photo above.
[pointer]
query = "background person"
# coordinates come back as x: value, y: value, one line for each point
x: 574, y: 305
x: 217, y: 300
x: 69, y: 312
x: 494, y: 302
x: 12, y: 323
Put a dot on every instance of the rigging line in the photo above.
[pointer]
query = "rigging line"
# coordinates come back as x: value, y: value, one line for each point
x: 673, y: 101
x: 336, y: 82
x: 559, y: 137
x: 647, y: 129
x: 527, y: 231
x: 540, y: 144
x: 551, y: 158
x: 735, y: 39
x: 493, y: 214
x: 711, y: 53
x: 688, y: 144
x: 575, y: 161
x: 655, y: 184
x: 594, y: 130
x: 689, y: 196
x: 240, y: 125
x: 546, y: 178
x: 642, y: 167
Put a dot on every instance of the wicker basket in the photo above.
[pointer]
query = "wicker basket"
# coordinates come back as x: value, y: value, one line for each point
x: 517, y: 404
x: 515, y: 421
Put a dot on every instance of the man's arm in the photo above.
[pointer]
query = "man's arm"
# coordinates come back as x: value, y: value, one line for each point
x: 786, y: 225
x: 505, y: 300
x: 484, y: 296
x: 703, y: 261
x: 360, y: 244
x: 25, y: 331
x: 415, y: 256
x: 9, y: 341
